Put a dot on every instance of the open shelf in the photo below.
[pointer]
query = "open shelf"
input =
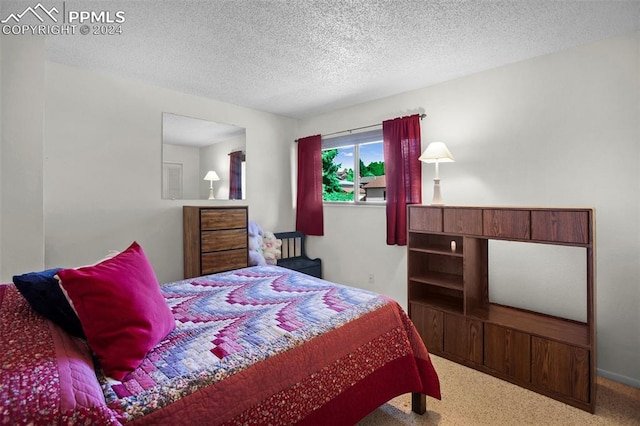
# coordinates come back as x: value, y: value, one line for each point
x: 436, y: 243
x: 438, y: 250
x: 560, y: 329
x: 440, y: 279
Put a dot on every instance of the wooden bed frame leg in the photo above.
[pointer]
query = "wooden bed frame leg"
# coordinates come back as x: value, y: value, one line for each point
x: 418, y: 403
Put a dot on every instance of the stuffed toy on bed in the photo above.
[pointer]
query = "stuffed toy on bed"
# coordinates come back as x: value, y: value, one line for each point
x: 256, y: 256
x: 271, y: 248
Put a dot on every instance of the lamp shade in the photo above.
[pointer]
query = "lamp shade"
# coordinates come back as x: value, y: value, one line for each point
x: 437, y: 152
x: 211, y: 175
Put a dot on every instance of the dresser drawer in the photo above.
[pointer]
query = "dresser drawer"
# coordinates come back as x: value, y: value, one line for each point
x: 224, y: 240
x: 214, y: 219
x: 503, y: 223
x: 219, y: 261
x: 560, y: 226
x: 425, y: 219
x: 463, y: 221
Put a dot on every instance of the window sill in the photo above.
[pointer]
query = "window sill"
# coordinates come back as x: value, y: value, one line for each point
x: 342, y: 204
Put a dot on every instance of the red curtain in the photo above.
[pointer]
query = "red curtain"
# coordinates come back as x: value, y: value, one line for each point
x: 309, y: 218
x: 235, y: 172
x: 403, y: 171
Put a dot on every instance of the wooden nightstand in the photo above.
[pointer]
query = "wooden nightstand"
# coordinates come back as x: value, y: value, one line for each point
x: 215, y: 239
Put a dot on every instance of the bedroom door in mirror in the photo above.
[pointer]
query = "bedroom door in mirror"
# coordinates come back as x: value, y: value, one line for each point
x: 193, y: 147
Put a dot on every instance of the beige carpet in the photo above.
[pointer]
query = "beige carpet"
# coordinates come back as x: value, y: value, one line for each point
x: 473, y: 398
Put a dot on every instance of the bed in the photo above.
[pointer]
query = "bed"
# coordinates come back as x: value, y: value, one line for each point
x: 259, y: 345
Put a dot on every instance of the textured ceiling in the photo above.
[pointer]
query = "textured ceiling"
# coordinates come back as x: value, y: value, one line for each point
x: 300, y: 58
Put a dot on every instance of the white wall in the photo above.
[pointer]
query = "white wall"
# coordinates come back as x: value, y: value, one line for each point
x: 101, y: 144
x: 557, y: 130
x: 1, y: 139
x: 22, y: 105
x: 102, y: 168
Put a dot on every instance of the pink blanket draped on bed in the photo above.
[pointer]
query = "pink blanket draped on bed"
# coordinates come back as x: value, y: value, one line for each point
x: 46, y: 375
x: 261, y: 345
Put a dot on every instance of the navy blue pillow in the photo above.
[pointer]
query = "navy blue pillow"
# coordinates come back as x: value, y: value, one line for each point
x: 44, y: 295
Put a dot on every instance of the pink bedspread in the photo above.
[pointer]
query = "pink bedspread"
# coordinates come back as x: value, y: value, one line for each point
x: 278, y: 368
x: 46, y: 375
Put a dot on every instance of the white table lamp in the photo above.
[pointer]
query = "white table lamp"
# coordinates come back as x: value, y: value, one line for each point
x: 211, y: 176
x: 437, y: 152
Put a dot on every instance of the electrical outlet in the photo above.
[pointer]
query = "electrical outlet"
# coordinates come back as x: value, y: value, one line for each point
x: 371, y: 279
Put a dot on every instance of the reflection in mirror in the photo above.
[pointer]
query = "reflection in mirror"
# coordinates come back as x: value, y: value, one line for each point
x: 191, y: 148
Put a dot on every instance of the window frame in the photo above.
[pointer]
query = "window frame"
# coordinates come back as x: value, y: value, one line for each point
x: 354, y: 140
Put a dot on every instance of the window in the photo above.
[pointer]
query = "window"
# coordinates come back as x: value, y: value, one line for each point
x: 353, y: 168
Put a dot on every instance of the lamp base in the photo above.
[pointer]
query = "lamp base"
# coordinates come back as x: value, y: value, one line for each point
x: 211, y: 197
x: 437, y: 196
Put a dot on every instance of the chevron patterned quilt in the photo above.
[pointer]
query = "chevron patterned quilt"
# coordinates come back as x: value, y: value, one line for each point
x: 260, y: 345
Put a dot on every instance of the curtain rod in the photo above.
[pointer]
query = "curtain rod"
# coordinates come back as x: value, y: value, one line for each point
x: 360, y: 128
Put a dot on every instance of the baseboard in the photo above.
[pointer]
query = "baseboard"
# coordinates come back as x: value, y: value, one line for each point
x: 619, y: 378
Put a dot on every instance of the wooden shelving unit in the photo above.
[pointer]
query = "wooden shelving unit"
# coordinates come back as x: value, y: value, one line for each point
x: 448, y: 292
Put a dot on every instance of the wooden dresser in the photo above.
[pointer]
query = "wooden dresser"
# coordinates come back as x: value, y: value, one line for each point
x: 448, y: 295
x: 215, y: 239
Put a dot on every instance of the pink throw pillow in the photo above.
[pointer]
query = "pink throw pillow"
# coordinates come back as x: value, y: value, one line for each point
x: 121, y: 309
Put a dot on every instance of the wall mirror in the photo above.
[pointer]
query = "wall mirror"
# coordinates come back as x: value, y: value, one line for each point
x: 194, y: 149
